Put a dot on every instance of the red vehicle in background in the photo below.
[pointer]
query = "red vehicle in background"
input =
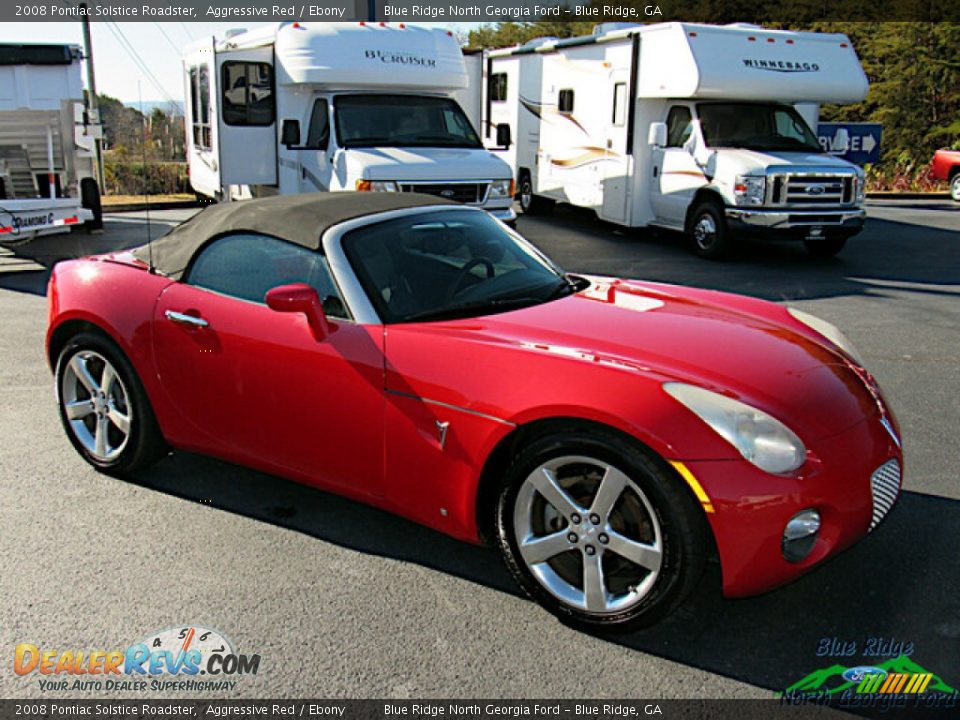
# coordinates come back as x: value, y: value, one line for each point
x: 946, y: 166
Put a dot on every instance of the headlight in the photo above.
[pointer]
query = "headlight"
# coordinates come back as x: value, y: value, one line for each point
x: 763, y: 440
x: 500, y: 189
x: 860, y: 189
x: 749, y: 190
x: 377, y: 186
x: 830, y: 332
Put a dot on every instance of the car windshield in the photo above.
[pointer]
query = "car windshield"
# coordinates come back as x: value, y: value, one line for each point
x: 402, y: 121
x: 450, y: 264
x: 755, y: 127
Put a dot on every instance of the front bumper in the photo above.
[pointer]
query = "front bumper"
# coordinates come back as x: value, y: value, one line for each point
x: 751, y: 507
x: 801, y: 224
x: 506, y: 215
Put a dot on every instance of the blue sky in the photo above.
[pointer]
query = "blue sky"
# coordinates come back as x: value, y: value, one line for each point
x: 158, y: 44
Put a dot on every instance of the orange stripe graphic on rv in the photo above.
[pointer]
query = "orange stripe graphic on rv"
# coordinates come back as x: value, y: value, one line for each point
x: 691, y: 173
x: 589, y: 155
x: 540, y: 109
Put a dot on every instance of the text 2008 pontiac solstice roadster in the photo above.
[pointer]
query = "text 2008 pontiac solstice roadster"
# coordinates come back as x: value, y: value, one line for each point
x: 607, y: 435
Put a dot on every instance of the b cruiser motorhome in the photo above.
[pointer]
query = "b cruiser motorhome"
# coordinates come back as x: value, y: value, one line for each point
x: 310, y: 107
x: 699, y: 128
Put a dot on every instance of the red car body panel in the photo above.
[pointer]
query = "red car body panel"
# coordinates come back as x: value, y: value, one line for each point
x: 405, y: 416
x: 945, y: 163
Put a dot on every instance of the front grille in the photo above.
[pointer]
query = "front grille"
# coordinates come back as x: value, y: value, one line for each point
x: 884, y: 488
x: 461, y: 192
x: 816, y: 190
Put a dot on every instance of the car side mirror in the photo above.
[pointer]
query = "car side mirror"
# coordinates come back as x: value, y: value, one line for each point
x: 300, y: 298
x: 504, y: 136
x: 657, y: 136
x: 290, y: 133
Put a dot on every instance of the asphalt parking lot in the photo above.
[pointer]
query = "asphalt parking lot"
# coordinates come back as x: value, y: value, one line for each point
x: 341, y: 600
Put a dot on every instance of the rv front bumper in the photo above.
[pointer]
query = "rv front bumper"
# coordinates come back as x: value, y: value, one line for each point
x: 506, y: 215
x: 798, y: 223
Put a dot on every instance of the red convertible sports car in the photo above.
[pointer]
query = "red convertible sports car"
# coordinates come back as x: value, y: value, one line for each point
x: 609, y: 436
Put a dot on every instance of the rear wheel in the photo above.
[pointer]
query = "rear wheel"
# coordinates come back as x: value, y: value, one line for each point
x: 825, y: 248
x: 955, y: 187
x: 599, y: 533
x: 90, y: 199
x: 532, y: 204
x: 104, y: 408
x: 709, y: 236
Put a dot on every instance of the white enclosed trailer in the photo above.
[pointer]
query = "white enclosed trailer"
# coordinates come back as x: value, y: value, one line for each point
x: 306, y: 107
x: 47, y: 143
x: 698, y: 128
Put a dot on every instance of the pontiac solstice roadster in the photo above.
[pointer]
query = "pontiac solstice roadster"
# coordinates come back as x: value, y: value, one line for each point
x: 608, y: 436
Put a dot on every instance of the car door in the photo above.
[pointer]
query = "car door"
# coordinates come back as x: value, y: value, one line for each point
x: 254, y: 385
x: 677, y: 174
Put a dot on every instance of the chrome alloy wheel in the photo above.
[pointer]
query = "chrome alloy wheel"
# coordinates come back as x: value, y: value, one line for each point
x: 588, y: 534
x: 955, y: 187
x: 705, y: 231
x: 96, y: 405
x: 526, y: 195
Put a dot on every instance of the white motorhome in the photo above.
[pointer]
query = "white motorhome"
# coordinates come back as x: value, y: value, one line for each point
x: 698, y: 128
x: 48, y: 155
x: 305, y: 107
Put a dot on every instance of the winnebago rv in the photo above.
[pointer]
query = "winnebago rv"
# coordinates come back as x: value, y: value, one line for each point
x: 304, y: 107
x: 47, y: 143
x: 699, y: 128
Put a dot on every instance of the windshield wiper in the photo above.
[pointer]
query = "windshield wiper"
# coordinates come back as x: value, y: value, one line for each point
x: 364, y: 141
x: 465, y: 309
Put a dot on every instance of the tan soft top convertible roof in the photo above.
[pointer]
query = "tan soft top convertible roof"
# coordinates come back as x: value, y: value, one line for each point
x: 300, y: 219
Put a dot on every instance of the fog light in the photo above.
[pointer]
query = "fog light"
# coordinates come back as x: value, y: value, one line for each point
x: 800, y: 535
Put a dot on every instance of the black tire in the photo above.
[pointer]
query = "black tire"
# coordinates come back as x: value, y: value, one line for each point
x: 532, y: 204
x: 685, y: 539
x: 955, y: 186
x: 707, y: 230
x: 145, y: 444
x: 825, y: 248
x: 90, y: 199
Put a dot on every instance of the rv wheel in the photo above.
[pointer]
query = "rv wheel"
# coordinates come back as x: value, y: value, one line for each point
x: 532, y: 204
x: 707, y: 228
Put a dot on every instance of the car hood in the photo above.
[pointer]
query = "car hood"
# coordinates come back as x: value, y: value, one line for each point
x: 745, y: 348
x: 426, y: 164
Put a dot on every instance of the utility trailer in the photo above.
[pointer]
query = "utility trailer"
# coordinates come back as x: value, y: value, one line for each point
x: 704, y: 129
x: 48, y: 157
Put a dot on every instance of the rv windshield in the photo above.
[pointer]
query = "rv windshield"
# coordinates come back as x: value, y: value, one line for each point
x: 402, y: 121
x: 755, y: 127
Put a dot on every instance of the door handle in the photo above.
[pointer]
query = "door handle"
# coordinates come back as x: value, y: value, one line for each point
x: 184, y: 319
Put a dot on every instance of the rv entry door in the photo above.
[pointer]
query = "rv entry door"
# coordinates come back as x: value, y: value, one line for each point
x: 616, y: 169
x: 247, y: 122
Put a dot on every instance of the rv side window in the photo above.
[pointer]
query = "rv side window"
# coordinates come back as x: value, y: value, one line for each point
x: 565, y: 101
x: 247, y: 93
x: 318, y: 134
x: 200, y: 105
x: 679, y: 126
x: 498, y: 87
x: 619, y: 104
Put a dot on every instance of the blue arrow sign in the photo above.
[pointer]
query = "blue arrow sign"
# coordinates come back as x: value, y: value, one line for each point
x: 864, y: 144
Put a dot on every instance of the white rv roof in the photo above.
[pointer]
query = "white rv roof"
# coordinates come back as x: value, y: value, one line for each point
x: 360, y: 54
x: 743, y: 62
x: 740, y: 61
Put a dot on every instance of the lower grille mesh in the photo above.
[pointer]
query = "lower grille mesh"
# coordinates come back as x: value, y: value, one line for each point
x: 885, y: 488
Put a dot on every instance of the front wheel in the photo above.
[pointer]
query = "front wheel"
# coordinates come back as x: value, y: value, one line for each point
x: 955, y: 187
x: 599, y: 533
x: 709, y: 236
x: 825, y: 248
x: 104, y: 408
x: 532, y: 204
